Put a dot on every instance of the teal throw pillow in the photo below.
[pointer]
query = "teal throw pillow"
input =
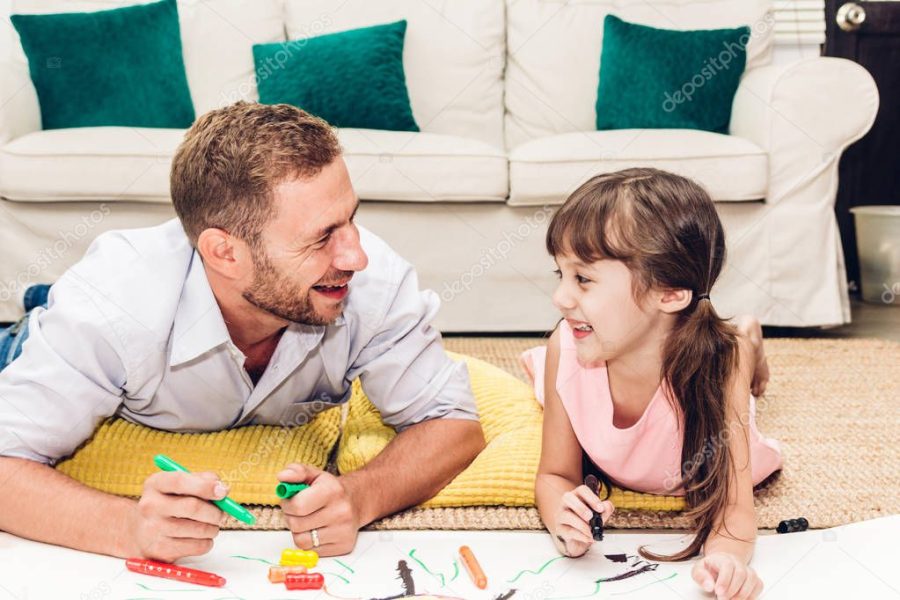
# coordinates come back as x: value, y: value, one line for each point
x: 351, y: 79
x: 111, y: 67
x: 668, y: 79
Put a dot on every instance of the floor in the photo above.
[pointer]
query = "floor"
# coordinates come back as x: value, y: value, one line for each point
x: 879, y: 321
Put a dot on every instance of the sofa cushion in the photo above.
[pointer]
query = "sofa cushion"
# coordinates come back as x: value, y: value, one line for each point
x: 553, y: 62
x: 87, y: 74
x: 129, y: 163
x: 351, y: 79
x: 424, y: 167
x: 217, y: 37
x: 453, y: 56
x: 547, y: 170
x: 649, y: 76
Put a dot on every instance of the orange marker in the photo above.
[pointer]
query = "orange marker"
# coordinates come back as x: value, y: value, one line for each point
x: 278, y: 574
x: 473, y: 568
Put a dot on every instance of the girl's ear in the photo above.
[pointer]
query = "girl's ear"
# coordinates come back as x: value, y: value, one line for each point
x: 673, y: 301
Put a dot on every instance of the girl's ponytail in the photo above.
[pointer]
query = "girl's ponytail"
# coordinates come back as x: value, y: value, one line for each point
x: 698, y: 359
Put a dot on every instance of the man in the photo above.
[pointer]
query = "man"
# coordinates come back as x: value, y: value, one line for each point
x: 260, y: 304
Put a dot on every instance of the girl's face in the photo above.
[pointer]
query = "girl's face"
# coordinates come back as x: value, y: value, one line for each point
x: 597, y: 301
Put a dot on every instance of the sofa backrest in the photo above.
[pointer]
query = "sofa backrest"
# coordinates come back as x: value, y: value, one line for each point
x: 553, y: 53
x: 453, y: 55
x: 216, y: 35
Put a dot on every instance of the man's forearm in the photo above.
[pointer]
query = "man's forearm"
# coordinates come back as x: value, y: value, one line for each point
x: 40, y: 503
x: 415, y: 466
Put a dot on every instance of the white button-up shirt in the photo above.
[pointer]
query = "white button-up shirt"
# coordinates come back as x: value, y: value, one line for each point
x: 134, y: 330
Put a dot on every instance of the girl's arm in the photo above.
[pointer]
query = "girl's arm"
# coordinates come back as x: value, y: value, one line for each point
x: 564, y: 504
x: 730, y: 545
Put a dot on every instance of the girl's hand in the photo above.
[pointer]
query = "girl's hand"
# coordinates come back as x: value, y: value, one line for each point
x: 727, y: 576
x: 750, y: 327
x: 571, y: 529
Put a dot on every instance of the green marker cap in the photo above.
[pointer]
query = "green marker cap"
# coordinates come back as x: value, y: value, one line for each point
x: 226, y: 504
x: 289, y: 490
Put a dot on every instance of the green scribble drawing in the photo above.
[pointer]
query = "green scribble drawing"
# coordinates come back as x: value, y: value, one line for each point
x: 344, y: 579
x: 594, y: 593
x: 645, y: 585
x: 412, y: 555
x: 150, y: 589
x: 539, y: 571
x: 346, y: 566
x: 455, y: 570
x: 262, y: 560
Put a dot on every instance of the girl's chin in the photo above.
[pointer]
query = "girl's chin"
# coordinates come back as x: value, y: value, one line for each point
x: 589, y: 357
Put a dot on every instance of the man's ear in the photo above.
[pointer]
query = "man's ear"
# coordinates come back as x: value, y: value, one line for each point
x: 673, y: 301
x: 223, y: 253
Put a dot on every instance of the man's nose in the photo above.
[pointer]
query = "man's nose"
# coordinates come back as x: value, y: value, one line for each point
x: 350, y: 255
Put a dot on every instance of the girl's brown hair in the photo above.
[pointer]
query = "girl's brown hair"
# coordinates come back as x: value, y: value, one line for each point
x: 666, y: 230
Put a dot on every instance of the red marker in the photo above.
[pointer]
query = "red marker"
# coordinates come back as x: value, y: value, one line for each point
x: 304, y: 581
x: 170, y: 571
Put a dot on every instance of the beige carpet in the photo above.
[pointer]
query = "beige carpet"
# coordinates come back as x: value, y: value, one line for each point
x: 833, y: 404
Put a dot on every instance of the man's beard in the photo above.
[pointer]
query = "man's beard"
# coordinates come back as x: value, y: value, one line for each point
x: 276, y: 294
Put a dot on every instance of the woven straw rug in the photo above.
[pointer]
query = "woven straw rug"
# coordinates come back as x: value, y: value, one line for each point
x: 833, y: 404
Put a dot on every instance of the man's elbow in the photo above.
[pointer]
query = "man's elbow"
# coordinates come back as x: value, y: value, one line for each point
x: 475, y: 438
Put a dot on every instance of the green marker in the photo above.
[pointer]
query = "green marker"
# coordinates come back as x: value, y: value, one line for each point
x: 226, y: 504
x: 289, y: 490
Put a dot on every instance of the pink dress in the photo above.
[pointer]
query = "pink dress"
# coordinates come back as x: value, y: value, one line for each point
x: 645, y: 457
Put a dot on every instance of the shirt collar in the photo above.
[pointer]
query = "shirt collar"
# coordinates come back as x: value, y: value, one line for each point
x: 199, y: 326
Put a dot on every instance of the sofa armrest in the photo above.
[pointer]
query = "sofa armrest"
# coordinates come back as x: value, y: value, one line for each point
x: 20, y: 112
x: 804, y: 115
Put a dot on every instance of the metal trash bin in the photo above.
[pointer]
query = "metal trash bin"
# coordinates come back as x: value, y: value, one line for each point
x: 878, y: 245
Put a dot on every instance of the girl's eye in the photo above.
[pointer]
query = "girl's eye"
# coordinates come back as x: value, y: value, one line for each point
x: 558, y: 273
x: 581, y: 279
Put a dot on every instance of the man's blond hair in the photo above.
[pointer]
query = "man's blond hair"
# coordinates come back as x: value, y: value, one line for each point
x: 226, y: 169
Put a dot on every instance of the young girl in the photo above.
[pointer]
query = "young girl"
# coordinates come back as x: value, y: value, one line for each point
x: 643, y: 378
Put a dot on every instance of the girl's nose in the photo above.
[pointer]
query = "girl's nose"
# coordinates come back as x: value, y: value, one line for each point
x: 562, y: 300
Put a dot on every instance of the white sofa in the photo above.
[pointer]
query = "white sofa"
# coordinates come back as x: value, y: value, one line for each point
x: 504, y: 93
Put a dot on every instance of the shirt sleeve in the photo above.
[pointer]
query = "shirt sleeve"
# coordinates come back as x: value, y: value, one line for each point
x: 68, y: 378
x: 404, y: 369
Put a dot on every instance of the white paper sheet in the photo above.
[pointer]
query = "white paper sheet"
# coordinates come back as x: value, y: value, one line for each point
x: 854, y: 561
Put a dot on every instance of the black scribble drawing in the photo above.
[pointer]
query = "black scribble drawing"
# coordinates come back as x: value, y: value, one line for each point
x: 646, y: 568
x: 507, y: 595
x: 618, y: 558
x: 405, y: 575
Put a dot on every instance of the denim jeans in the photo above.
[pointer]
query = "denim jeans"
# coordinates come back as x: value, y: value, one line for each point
x: 12, y: 338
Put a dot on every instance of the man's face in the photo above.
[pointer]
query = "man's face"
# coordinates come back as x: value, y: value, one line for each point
x: 309, y: 250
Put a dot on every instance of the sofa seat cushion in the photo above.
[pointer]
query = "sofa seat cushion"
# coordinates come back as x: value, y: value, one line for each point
x: 89, y: 163
x: 424, y: 167
x: 132, y: 164
x: 548, y: 169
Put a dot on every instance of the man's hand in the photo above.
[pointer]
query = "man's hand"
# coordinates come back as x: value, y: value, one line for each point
x: 749, y: 327
x: 173, y: 517
x: 325, y: 506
